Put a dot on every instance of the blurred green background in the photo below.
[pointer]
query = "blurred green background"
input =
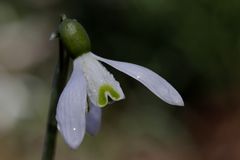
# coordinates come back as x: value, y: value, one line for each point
x: 194, y: 44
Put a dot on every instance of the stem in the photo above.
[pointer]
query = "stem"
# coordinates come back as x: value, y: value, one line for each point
x: 59, y: 81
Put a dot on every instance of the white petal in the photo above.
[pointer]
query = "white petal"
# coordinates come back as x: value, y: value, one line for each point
x: 159, y: 86
x: 93, y: 119
x: 100, y: 83
x: 71, y: 108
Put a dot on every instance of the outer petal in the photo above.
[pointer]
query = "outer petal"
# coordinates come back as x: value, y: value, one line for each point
x: 71, y: 108
x: 159, y: 86
x: 93, y: 119
x: 100, y: 83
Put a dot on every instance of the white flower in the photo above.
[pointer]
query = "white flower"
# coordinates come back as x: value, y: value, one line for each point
x: 88, y: 89
x: 90, y: 85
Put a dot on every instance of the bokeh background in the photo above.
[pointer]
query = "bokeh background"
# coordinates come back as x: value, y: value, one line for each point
x: 194, y: 44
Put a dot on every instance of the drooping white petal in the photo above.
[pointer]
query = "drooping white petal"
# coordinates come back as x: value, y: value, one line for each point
x: 71, y: 108
x: 93, y: 119
x: 159, y: 86
x: 100, y: 83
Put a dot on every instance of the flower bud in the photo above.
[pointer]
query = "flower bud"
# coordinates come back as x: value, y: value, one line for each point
x: 74, y: 37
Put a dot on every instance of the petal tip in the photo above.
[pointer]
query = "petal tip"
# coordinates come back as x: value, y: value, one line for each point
x: 177, y: 101
x: 73, y: 140
x: 93, y: 119
x: 74, y: 145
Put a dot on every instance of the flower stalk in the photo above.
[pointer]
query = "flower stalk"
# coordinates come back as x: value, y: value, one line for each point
x: 59, y: 81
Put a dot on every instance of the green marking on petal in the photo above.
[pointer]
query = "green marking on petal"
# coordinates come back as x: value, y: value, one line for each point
x: 110, y: 91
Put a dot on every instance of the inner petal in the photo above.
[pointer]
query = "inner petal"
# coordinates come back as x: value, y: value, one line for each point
x: 100, y: 83
x: 104, y: 91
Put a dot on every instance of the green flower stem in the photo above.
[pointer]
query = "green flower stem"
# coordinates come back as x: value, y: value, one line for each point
x: 59, y: 81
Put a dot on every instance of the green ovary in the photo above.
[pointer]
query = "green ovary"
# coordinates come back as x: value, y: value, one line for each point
x: 106, y: 89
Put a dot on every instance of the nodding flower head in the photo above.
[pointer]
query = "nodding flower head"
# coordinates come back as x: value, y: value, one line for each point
x: 91, y: 85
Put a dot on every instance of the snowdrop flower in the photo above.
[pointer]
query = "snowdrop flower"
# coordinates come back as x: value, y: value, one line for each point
x: 90, y: 85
